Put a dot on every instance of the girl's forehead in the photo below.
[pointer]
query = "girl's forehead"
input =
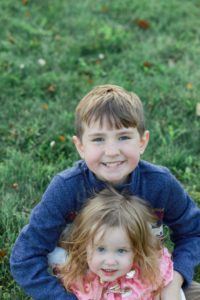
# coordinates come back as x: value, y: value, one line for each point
x: 96, y: 237
x: 106, y: 233
x: 100, y: 233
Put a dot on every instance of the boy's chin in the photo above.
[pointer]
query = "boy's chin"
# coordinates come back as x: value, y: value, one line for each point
x: 117, y: 181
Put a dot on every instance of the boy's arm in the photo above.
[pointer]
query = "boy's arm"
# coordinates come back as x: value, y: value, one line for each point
x: 28, y: 260
x: 30, y: 272
x: 183, y: 218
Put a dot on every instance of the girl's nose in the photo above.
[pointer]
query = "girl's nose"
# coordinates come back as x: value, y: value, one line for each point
x: 110, y: 260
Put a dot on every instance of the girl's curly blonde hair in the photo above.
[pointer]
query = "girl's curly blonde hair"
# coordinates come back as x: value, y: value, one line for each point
x: 111, y: 209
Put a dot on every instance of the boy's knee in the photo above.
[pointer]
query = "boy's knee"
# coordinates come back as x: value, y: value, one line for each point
x: 192, y: 292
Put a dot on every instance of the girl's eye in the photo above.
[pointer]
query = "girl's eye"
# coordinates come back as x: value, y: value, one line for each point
x: 124, y: 137
x: 100, y: 249
x: 121, y: 251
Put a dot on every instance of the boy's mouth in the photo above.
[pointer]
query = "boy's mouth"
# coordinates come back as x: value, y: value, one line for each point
x: 113, y: 164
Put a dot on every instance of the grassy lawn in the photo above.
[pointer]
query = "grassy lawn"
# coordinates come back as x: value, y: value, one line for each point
x: 52, y: 53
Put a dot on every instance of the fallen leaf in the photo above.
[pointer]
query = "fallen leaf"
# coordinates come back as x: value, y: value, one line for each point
x: 143, y: 24
x: 28, y: 14
x: 51, y: 88
x: 2, y: 253
x: 89, y: 80
x: 24, y: 2
x: 61, y: 138
x: 41, y: 62
x: 45, y: 106
x: 15, y: 185
x: 147, y: 64
x: 52, y: 144
x: 57, y: 37
x: 171, y: 63
x: 104, y: 9
x: 189, y: 86
x: 22, y: 66
x: 101, y: 56
x: 11, y: 39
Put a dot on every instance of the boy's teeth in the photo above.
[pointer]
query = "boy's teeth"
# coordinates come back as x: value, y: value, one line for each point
x: 113, y: 163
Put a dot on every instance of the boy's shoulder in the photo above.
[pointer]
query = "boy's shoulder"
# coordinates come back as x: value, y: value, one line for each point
x: 147, y: 167
x: 156, y: 174
x: 152, y: 180
x: 73, y: 172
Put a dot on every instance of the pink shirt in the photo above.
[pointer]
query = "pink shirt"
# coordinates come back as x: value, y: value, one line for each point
x: 129, y: 287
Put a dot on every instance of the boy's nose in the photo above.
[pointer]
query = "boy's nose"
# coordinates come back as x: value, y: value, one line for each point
x: 112, y: 150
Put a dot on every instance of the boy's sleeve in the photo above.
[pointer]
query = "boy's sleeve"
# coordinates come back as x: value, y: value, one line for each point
x: 28, y: 259
x: 183, y: 218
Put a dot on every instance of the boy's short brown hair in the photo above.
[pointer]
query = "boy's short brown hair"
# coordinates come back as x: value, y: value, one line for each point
x: 120, y: 107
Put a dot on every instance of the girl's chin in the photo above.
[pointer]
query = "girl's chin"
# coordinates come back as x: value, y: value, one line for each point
x: 107, y: 279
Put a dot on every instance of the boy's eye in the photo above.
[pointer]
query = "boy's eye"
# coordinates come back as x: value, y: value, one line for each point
x: 124, y: 137
x: 97, y: 140
x: 100, y: 249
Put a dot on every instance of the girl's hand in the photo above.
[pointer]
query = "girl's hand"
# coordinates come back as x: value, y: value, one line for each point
x: 172, y: 290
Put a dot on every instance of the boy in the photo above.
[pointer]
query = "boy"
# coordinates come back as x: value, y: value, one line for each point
x: 110, y: 137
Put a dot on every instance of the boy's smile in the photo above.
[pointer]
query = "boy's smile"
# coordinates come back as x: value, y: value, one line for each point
x: 110, y: 153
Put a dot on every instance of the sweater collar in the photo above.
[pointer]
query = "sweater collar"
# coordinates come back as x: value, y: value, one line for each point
x: 96, y: 184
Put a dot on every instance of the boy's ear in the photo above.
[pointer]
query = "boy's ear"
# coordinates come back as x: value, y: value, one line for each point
x: 79, y: 146
x: 144, y: 141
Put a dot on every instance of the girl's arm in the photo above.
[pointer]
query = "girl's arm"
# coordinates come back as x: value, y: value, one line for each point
x: 172, y: 290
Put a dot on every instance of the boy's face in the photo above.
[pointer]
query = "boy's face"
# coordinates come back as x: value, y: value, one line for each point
x: 112, y: 256
x: 111, y: 154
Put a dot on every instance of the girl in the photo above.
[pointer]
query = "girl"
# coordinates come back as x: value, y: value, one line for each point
x: 112, y: 251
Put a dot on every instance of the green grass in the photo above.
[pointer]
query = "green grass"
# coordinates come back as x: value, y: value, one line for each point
x: 159, y: 63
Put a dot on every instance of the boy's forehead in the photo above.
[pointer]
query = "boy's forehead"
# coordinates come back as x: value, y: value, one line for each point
x: 102, y: 124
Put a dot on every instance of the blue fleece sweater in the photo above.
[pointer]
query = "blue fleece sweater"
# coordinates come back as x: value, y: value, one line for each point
x: 63, y: 199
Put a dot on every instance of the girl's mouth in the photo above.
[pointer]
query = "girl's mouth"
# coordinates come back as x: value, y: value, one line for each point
x: 108, y: 272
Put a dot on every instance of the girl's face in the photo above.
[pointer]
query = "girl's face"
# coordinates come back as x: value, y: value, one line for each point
x: 110, y: 256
